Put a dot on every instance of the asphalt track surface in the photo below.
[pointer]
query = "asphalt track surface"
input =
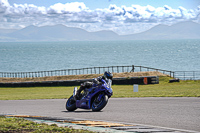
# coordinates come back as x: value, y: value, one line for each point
x: 179, y: 113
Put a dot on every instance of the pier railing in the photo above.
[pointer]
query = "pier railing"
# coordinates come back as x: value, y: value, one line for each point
x: 183, y: 75
x: 90, y: 70
x: 187, y: 75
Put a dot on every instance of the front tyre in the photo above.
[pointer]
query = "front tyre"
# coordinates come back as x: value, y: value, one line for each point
x: 71, y: 104
x: 99, y: 102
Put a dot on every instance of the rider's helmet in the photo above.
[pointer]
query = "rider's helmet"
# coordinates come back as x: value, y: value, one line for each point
x: 108, y: 75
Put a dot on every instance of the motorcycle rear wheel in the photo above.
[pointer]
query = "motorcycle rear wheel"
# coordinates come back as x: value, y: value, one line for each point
x: 71, y: 104
x: 97, y: 104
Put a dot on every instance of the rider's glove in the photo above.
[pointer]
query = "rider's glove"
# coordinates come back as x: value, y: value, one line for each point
x: 97, y: 80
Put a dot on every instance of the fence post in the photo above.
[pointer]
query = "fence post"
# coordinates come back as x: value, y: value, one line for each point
x: 184, y: 75
x: 194, y: 75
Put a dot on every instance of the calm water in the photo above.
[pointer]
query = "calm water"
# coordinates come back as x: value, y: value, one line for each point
x: 174, y: 55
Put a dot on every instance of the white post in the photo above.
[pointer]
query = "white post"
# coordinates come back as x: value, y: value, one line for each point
x: 135, y: 88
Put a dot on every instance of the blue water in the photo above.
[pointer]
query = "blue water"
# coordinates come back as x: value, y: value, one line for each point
x: 173, y: 55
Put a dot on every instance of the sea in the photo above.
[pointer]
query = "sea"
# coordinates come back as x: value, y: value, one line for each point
x: 172, y: 55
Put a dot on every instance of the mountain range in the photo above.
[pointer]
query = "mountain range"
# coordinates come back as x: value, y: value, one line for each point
x: 182, y: 30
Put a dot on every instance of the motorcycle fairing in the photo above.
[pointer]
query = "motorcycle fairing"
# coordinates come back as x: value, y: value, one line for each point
x: 85, y: 101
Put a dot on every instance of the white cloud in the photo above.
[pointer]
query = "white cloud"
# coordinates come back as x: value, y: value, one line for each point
x: 67, y: 8
x: 123, y: 20
x: 4, y: 3
x: 3, y: 6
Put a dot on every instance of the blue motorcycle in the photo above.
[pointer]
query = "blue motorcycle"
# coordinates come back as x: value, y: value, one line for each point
x: 94, y: 98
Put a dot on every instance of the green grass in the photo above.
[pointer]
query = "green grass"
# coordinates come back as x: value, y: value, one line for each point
x: 16, y: 125
x: 163, y: 89
x: 182, y: 89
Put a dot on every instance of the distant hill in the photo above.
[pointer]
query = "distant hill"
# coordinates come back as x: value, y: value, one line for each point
x: 6, y: 31
x: 59, y: 33
x: 106, y: 34
x: 182, y: 30
x: 51, y: 33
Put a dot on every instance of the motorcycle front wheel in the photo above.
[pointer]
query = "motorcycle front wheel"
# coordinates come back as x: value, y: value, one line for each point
x: 71, y: 104
x: 99, y: 104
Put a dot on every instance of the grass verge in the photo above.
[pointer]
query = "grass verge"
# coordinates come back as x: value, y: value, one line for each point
x: 163, y: 89
x: 16, y: 125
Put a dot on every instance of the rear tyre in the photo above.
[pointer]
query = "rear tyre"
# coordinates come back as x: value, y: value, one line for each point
x: 71, y: 104
x: 99, y: 104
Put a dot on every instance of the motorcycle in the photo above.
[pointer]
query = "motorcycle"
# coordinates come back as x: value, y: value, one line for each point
x: 95, y: 97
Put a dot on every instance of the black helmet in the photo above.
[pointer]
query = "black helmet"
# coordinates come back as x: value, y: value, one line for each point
x: 108, y: 75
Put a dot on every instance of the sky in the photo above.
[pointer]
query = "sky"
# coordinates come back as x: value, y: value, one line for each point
x: 120, y: 16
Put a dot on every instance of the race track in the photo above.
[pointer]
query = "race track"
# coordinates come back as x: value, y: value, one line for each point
x: 180, y: 113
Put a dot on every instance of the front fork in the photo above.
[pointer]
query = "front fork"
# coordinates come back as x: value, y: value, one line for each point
x: 75, y: 91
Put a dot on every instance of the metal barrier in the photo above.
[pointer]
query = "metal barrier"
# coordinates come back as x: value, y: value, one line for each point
x: 182, y: 75
x: 187, y: 75
x: 90, y: 70
x: 142, y: 68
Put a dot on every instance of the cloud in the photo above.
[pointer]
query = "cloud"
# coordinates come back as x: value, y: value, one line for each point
x: 67, y: 8
x: 4, y: 5
x: 77, y: 14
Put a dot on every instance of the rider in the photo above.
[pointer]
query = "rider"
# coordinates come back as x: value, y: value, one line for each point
x: 98, y: 80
